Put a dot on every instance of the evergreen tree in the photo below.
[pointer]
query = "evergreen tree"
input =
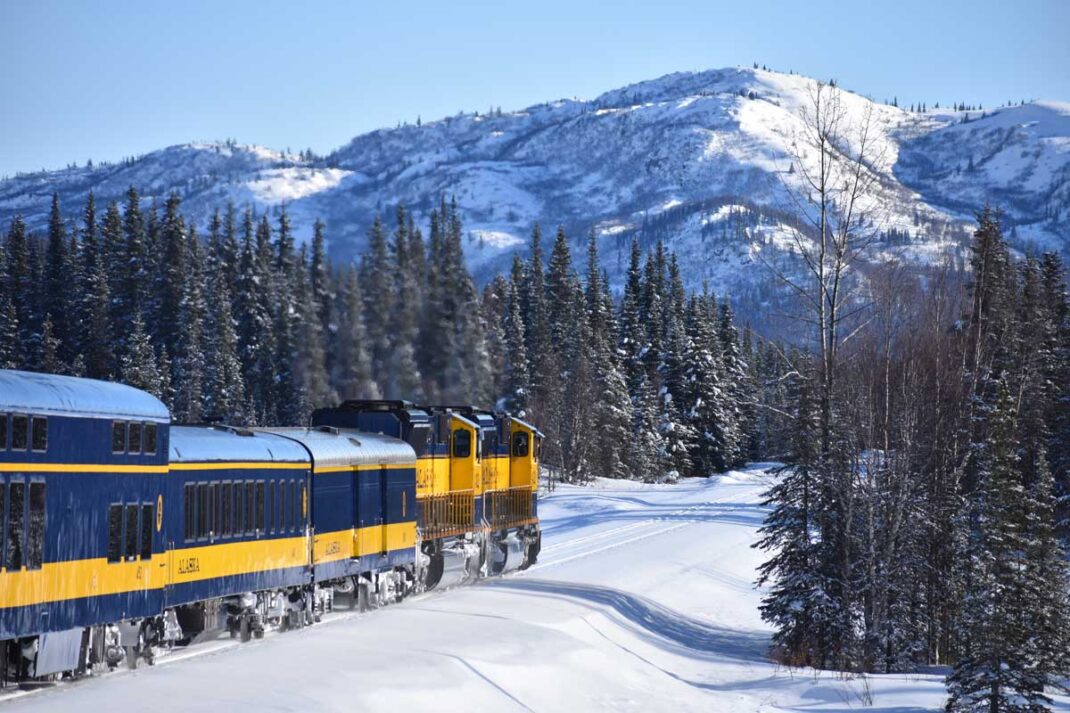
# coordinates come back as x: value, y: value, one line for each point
x: 612, y: 406
x: 998, y: 668
x: 352, y: 376
x: 138, y: 366
x: 189, y: 362
x: 516, y: 387
x: 94, y: 309
x: 224, y: 388
x: 376, y: 285
x: 58, y: 276
x: 794, y: 591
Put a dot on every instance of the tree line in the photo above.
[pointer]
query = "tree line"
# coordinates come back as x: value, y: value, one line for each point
x: 923, y: 515
x: 234, y: 322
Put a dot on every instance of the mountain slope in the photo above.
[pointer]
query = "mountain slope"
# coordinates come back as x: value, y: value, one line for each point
x: 699, y: 159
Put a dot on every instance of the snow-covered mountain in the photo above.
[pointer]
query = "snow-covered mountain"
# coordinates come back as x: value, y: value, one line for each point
x: 699, y: 159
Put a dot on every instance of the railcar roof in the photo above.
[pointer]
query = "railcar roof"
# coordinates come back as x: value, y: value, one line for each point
x: 27, y: 391
x: 198, y: 444
x: 331, y: 447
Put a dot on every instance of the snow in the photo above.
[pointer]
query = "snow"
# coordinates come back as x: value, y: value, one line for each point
x: 282, y: 185
x: 642, y: 601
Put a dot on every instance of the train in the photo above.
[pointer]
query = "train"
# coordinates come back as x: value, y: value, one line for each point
x: 123, y: 534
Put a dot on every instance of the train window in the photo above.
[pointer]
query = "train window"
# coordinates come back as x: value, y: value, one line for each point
x: 269, y: 508
x: 3, y: 430
x: 118, y: 437
x: 39, y: 433
x: 284, y: 520
x: 462, y: 443
x: 214, y: 523
x: 295, y: 506
x: 15, y: 515
x: 239, y: 509
x: 35, y: 538
x: 148, y: 520
x: 250, y: 507
x: 130, y: 541
x: 134, y: 438
x: 304, y: 505
x: 150, y: 439
x: 115, y: 533
x: 224, y: 508
x: 20, y: 426
x: 520, y: 444
x: 189, y: 502
x: 260, y: 520
x: 203, y: 515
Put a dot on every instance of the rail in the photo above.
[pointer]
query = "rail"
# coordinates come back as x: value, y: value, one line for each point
x: 447, y: 515
x: 503, y: 509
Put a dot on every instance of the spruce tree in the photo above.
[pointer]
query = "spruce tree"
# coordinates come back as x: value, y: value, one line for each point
x: 787, y: 534
x: 515, y: 391
x: 94, y: 309
x: 352, y: 374
x: 998, y: 670
x: 138, y: 366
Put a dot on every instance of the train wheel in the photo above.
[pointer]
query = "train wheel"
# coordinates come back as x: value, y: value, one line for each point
x: 435, y: 567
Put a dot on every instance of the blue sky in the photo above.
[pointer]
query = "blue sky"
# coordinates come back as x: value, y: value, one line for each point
x: 103, y: 80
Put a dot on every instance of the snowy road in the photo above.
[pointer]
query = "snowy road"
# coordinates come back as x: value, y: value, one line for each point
x: 642, y: 600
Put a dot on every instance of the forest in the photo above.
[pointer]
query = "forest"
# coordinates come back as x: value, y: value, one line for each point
x: 238, y: 325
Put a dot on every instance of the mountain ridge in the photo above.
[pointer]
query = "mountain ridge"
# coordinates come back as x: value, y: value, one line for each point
x: 700, y: 159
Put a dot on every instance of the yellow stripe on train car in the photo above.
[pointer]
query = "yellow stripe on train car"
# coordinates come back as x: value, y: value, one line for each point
x: 79, y: 468
x: 193, y: 564
x: 379, y: 538
x: 59, y: 581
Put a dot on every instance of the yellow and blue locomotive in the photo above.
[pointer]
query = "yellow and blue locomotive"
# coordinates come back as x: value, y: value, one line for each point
x: 122, y: 533
x: 476, y: 484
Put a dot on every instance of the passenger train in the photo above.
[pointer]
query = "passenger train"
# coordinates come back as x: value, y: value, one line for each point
x: 122, y: 534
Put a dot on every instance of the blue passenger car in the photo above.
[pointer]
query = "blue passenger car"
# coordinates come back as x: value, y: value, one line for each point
x: 239, y: 522
x: 83, y: 466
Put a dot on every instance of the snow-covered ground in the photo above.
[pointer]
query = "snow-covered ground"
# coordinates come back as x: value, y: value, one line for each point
x: 642, y: 601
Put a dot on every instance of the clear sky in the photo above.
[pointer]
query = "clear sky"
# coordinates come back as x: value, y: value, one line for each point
x: 104, y: 79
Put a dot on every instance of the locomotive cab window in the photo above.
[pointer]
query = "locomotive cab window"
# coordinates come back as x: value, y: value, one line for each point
x: 134, y: 438
x: 39, y: 429
x: 150, y: 439
x: 520, y: 444
x: 20, y: 432
x: 118, y: 437
x: 462, y: 443
x: 115, y: 533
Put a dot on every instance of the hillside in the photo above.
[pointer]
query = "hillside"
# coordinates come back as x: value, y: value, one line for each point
x: 700, y: 159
